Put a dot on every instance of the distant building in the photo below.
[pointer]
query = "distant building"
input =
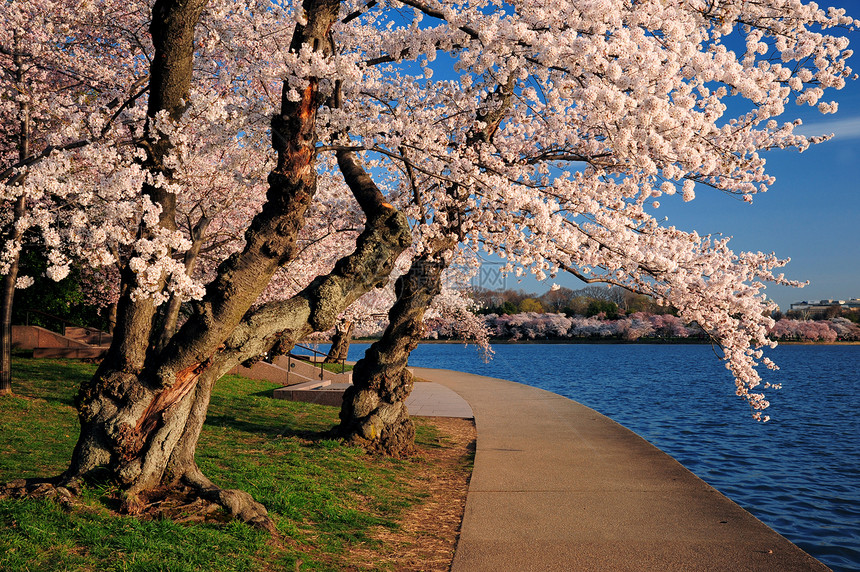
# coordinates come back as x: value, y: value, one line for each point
x: 816, y: 305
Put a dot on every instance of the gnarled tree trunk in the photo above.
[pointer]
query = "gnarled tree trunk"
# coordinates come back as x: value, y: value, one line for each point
x: 143, y: 424
x: 340, y: 342
x: 374, y: 413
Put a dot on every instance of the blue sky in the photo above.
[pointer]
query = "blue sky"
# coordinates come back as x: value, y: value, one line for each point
x: 811, y: 214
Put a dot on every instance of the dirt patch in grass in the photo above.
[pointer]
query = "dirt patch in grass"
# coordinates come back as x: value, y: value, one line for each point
x: 427, y: 536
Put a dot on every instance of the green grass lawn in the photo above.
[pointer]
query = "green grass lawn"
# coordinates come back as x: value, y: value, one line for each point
x: 338, y: 367
x: 324, y: 498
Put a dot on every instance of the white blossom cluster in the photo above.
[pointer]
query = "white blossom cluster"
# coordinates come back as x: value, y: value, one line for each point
x: 62, y: 158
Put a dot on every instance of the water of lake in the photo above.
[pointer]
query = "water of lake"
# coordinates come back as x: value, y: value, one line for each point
x: 799, y: 473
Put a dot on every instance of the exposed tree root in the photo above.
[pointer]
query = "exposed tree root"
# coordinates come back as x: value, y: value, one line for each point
x: 396, y: 439
x: 36, y: 488
x: 195, y: 502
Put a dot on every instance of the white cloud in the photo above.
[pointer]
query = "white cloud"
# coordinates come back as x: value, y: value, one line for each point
x: 848, y: 128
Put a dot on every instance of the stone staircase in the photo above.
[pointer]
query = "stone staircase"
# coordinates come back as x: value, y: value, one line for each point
x: 319, y: 392
x: 89, y: 336
x: 303, y: 380
x: 77, y: 343
x: 324, y: 389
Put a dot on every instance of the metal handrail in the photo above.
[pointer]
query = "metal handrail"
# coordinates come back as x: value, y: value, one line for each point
x: 316, y: 353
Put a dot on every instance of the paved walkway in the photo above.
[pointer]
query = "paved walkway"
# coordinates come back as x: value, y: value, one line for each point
x: 429, y: 399
x: 558, y: 486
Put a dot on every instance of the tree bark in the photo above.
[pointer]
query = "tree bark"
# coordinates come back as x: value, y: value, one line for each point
x: 340, y: 342
x: 111, y: 318
x: 374, y: 413
x: 6, y: 334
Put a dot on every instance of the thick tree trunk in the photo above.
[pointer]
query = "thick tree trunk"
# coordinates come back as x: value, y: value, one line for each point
x: 146, y: 437
x: 143, y: 422
x: 374, y: 413
x: 340, y: 342
x: 142, y: 412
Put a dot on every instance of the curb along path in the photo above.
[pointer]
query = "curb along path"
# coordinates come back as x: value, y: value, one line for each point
x: 558, y: 486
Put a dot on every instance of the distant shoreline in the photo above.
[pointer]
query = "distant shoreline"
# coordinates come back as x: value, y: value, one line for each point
x: 656, y: 342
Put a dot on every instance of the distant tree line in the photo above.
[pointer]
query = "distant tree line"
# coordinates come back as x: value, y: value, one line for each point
x: 833, y: 311
x: 642, y: 326
x: 827, y: 330
x: 556, y: 326
x: 601, y: 313
x: 589, y: 301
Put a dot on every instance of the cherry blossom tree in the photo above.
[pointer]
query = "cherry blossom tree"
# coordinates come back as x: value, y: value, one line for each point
x: 617, y: 104
x: 547, y: 135
x: 845, y: 329
x: 815, y: 330
x: 141, y: 414
x: 67, y: 73
x: 452, y: 315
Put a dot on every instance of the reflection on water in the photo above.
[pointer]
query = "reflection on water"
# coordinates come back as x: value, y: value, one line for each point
x: 799, y: 473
